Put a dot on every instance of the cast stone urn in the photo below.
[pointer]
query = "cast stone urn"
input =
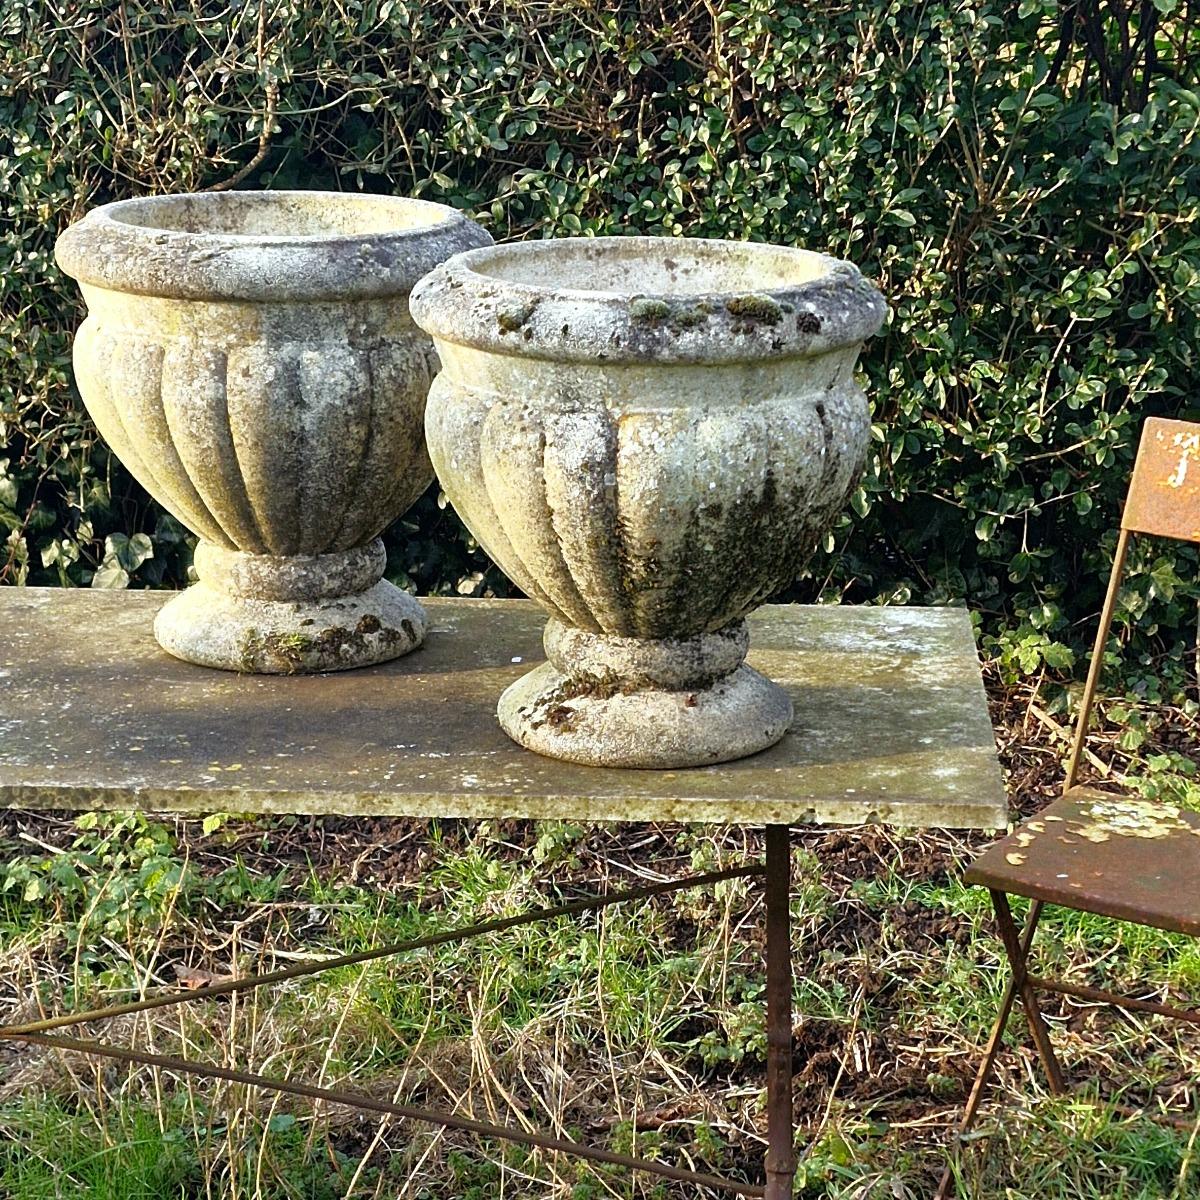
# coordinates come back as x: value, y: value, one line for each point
x: 649, y: 436
x: 251, y: 359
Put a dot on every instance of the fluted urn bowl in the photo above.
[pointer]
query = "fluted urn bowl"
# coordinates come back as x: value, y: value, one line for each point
x: 251, y: 359
x: 649, y: 436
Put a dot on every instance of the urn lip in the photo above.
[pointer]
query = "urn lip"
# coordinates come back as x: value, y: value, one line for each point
x: 264, y: 245
x: 648, y: 300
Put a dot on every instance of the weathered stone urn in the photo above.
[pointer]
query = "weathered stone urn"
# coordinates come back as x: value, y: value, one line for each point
x: 649, y: 436
x: 251, y: 359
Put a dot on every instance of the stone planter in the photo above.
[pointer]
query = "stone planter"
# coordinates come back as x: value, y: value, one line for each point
x: 250, y: 358
x: 649, y: 436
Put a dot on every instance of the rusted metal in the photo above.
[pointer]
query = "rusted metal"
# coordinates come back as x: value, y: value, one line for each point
x: 1164, y: 493
x: 35, y: 1033
x: 891, y: 726
x: 1117, y: 856
x: 975, y: 1099
x: 573, y: 908
x: 780, y: 1163
x: 1096, y: 666
x: 781, y: 1155
x: 367, y: 1103
x: 1018, y: 960
x: 1163, y: 499
x: 1099, y: 996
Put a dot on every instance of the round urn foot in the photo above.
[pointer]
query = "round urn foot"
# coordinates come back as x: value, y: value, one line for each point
x: 628, y: 702
x: 269, y: 615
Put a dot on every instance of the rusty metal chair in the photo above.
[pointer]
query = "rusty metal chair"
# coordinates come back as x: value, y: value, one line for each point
x: 1091, y: 850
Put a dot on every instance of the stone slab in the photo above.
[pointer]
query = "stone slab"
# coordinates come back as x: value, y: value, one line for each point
x: 891, y: 724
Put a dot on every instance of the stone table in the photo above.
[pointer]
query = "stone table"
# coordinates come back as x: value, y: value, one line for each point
x: 891, y: 726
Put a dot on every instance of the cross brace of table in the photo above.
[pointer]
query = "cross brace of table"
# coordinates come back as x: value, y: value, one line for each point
x: 780, y: 1158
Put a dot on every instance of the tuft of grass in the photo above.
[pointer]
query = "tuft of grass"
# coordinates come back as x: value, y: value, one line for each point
x: 48, y: 1152
x: 52, y: 1151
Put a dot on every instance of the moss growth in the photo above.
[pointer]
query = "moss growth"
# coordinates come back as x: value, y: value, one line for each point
x: 258, y: 649
x: 299, y: 651
x: 331, y: 642
x: 512, y: 319
x: 649, y: 312
x: 554, y: 709
x: 693, y: 315
x: 762, y: 309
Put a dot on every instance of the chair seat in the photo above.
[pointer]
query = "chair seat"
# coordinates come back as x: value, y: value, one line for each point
x: 1118, y: 856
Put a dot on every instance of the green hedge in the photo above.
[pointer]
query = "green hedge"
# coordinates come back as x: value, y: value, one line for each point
x: 1023, y: 180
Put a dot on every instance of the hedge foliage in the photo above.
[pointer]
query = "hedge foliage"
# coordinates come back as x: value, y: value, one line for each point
x: 1022, y: 179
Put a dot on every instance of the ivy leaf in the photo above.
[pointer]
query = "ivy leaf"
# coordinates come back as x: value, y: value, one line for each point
x: 129, y: 552
x: 110, y: 574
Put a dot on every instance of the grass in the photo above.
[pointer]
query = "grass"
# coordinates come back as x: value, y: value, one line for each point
x: 639, y: 1027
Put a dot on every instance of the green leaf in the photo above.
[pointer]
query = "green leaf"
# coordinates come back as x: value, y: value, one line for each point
x: 1058, y: 656
x: 129, y: 552
x: 110, y: 574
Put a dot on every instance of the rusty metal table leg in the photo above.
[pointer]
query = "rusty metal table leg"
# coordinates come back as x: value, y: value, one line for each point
x: 781, y: 1157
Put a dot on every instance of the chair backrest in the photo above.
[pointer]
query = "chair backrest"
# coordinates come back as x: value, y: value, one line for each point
x: 1164, y: 500
x: 1164, y: 493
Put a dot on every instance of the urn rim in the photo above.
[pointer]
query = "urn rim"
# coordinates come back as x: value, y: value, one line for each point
x: 648, y: 300
x: 278, y: 245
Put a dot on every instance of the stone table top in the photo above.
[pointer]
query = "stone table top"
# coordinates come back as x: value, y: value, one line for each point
x: 891, y: 724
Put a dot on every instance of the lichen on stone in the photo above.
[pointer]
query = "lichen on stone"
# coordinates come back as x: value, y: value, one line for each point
x: 1127, y: 817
